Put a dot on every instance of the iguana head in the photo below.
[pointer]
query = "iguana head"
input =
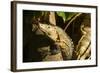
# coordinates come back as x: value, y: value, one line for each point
x: 49, y: 30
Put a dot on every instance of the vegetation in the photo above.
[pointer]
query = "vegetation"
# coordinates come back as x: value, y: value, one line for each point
x: 73, y: 23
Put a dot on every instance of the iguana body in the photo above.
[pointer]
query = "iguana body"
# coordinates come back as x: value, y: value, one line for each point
x: 60, y: 38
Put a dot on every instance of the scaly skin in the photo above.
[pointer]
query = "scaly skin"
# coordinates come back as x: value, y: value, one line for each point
x: 60, y: 38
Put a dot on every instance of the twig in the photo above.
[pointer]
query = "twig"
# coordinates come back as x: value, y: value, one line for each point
x: 52, y: 18
x: 72, y: 20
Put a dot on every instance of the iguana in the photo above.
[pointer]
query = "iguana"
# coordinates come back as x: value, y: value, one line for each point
x: 60, y: 38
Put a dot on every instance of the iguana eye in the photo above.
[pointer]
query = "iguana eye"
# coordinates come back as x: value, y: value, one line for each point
x: 48, y: 26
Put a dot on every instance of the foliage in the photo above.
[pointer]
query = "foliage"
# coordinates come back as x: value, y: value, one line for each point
x: 66, y: 15
x: 72, y: 20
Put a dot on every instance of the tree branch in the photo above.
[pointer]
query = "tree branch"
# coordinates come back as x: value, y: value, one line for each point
x: 52, y: 18
x: 72, y: 20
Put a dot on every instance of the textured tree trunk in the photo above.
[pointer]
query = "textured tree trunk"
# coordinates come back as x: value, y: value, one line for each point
x: 52, y: 19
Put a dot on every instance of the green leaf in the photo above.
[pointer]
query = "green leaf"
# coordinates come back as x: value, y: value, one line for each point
x: 66, y: 15
x: 69, y: 15
x: 62, y: 14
